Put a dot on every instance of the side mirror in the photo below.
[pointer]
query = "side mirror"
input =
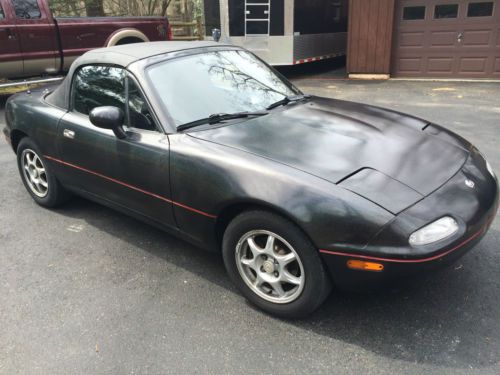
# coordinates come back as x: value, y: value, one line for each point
x: 216, y: 34
x: 109, y: 118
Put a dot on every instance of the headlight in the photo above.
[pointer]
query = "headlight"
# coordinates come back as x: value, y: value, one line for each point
x: 435, y: 231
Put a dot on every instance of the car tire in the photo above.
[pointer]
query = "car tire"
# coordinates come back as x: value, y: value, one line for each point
x: 37, y: 176
x: 274, y: 264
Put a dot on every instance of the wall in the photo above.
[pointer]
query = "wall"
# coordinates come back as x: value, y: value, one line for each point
x: 369, y: 36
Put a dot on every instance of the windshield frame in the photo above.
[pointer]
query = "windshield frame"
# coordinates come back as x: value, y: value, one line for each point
x: 154, y: 61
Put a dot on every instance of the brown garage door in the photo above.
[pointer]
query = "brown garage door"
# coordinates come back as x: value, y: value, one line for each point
x: 446, y: 38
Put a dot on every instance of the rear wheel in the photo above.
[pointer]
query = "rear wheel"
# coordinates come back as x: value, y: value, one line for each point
x: 274, y: 264
x: 129, y: 40
x: 37, y: 176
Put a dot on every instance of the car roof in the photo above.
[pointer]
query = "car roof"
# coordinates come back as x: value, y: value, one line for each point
x: 129, y: 53
x: 123, y: 55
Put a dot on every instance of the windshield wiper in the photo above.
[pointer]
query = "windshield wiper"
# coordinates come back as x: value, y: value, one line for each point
x: 288, y: 99
x: 219, y: 117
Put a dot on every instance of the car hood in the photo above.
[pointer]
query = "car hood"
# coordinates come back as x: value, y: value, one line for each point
x: 334, y: 139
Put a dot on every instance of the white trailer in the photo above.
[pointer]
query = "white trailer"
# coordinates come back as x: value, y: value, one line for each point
x: 281, y: 32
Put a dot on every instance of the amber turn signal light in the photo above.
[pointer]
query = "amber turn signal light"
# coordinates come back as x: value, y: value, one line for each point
x: 364, y: 266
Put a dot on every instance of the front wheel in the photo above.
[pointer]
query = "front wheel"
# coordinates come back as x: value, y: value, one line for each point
x: 274, y: 264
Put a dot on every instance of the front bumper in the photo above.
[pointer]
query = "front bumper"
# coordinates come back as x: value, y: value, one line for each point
x: 473, y: 208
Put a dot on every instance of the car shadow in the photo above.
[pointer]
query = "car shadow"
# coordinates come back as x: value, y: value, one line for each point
x: 440, y: 318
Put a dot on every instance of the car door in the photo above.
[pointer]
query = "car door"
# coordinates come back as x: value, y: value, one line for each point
x: 132, y: 172
x: 11, y: 62
x: 37, y: 37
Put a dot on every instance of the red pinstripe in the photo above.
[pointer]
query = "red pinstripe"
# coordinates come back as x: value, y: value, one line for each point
x: 131, y: 187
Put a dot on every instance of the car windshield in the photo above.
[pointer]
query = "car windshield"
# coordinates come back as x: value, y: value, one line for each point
x: 197, y: 86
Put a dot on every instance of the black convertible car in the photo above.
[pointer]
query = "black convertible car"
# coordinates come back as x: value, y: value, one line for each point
x: 298, y: 192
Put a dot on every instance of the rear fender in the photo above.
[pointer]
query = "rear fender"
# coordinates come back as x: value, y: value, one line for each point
x: 125, y: 33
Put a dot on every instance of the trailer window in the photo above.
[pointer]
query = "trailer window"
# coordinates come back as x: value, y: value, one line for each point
x: 320, y: 17
x: 236, y: 17
x: 212, y: 16
x: 277, y: 18
x: 26, y: 9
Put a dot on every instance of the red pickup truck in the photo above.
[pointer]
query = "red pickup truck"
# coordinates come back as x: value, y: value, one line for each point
x: 33, y: 42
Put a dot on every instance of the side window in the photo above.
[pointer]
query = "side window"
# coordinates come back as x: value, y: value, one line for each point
x: 26, y: 9
x: 96, y: 86
x: 138, y: 115
x: 2, y: 15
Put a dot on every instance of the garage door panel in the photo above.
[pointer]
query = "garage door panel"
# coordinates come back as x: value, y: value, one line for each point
x: 477, y: 38
x: 411, y: 39
x: 440, y: 64
x: 410, y: 65
x: 443, y: 38
x: 472, y: 64
x: 465, y: 46
x: 496, y: 68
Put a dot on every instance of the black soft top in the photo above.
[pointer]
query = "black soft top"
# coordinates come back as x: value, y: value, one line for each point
x: 122, y: 55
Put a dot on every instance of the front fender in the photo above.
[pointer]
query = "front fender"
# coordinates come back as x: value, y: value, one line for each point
x: 212, y: 177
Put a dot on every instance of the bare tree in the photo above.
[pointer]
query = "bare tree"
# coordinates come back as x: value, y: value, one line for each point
x: 94, y: 8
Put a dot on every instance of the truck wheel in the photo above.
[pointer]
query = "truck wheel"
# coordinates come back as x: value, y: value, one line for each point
x: 274, y: 264
x: 130, y: 40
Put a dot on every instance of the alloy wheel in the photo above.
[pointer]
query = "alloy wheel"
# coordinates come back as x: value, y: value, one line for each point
x: 270, y: 266
x: 34, y: 173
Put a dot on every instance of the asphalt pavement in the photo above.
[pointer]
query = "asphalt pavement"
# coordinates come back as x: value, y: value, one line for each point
x: 84, y: 289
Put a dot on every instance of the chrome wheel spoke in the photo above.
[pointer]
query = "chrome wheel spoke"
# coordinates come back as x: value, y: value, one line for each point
x: 286, y: 259
x: 249, y: 263
x: 36, y: 185
x: 269, y: 249
x: 278, y: 288
x: 43, y: 183
x: 258, y: 281
x: 287, y: 277
x: 254, y: 248
x: 29, y: 159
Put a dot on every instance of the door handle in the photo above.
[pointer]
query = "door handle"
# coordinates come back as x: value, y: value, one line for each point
x: 69, y: 133
x: 460, y: 36
x: 9, y: 33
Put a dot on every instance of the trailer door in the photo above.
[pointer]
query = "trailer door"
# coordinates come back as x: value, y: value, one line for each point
x: 257, y: 17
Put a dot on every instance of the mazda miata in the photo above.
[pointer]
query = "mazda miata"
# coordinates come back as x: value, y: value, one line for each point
x: 300, y: 193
